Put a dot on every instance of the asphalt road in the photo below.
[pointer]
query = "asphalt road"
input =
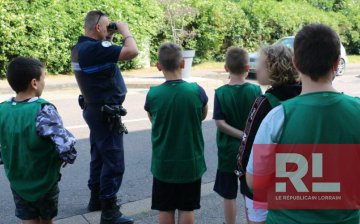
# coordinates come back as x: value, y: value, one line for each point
x: 137, y: 181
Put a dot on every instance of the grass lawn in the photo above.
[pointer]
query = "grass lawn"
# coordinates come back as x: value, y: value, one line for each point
x: 203, y: 66
x: 209, y: 65
x: 354, y: 58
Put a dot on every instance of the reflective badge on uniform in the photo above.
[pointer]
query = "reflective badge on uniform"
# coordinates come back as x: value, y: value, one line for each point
x: 106, y: 43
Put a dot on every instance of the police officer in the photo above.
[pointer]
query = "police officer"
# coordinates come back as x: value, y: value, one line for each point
x: 94, y: 61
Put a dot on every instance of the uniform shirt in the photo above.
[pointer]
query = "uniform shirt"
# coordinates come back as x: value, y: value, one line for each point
x: 49, y: 125
x: 98, y: 75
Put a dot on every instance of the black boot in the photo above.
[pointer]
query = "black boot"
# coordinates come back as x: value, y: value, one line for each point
x: 94, y: 203
x: 110, y: 213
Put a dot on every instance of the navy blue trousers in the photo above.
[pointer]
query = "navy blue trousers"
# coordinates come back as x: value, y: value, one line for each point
x: 107, y: 154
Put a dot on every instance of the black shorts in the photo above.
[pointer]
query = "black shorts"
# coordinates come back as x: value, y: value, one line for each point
x: 226, y: 184
x: 171, y: 197
x: 45, y: 208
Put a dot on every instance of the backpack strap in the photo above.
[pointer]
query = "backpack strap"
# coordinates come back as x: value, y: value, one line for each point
x: 240, y: 169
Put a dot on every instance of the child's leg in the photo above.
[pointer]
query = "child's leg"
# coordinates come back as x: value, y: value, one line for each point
x: 39, y: 212
x: 37, y: 221
x: 226, y: 185
x: 246, y: 211
x: 163, y: 200
x: 230, y: 211
x: 46, y: 221
x: 34, y: 221
x: 186, y: 217
x: 255, y: 215
x: 167, y: 217
x: 48, y: 205
x: 24, y: 210
x: 188, y: 200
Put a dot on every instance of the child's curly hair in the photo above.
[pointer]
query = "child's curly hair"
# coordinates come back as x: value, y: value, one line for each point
x: 279, y: 64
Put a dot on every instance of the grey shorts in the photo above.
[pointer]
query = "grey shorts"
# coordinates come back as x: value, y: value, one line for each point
x: 45, y: 208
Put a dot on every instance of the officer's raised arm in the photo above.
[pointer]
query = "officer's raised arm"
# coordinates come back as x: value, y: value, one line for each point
x: 129, y: 49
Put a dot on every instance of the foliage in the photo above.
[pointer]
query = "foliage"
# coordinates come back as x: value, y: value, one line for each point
x: 178, y: 14
x: 47, y: 29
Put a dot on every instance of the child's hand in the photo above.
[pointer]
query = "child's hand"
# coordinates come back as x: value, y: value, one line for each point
x: 63, y: 164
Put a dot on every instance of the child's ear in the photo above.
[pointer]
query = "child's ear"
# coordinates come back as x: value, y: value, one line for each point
x: 158, y: 65
x: 336, y: 65
x: 33, y: 84
x: 247, y: 67
x: 226, y: 68
x: 182, y: 64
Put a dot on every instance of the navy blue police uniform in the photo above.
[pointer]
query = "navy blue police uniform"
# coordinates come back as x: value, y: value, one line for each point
x: 101, y: 83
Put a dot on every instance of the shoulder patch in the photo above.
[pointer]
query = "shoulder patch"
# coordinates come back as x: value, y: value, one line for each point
x: 106, y: 43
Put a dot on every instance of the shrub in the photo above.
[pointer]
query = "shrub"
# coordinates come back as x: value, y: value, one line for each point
x: 47, y: 29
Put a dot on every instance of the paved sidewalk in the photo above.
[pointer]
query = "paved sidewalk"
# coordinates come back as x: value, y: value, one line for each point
x: 211, y: 211
x: 134, y: 79
x: 210, y: 78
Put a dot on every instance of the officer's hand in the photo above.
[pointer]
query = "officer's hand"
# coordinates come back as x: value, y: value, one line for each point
x: 123, y: 28
x: 111, y: 33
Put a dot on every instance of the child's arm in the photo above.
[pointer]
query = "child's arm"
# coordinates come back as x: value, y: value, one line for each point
x: 50, y: 125
x: 149, y: 116
x: 205, y: 111
x: 204, y: 99
x: 228, y: 129
x: 221, y: 124
x: 147, y: 107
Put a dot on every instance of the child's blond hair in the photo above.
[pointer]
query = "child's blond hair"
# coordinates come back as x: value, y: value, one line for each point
x: 279, y: 64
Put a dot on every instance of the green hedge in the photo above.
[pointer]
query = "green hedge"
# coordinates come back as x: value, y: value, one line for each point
x: 47, y: 29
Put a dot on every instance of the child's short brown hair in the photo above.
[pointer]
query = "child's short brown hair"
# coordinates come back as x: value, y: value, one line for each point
x: 21, y: 71
x: 236, y: 60
x: 170, y: 57
x: 279, y: 64
x: 317, y: 48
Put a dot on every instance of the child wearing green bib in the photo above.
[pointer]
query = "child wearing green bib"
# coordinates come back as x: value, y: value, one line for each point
x: 232, y: 105
x: 176, y: 109
x: 33, y: 144
x: 319, y: 115
x: 275, y: 69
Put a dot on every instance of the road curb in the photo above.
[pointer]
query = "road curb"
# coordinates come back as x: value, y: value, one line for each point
x: 131, y: 83
x: 130, y: 209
